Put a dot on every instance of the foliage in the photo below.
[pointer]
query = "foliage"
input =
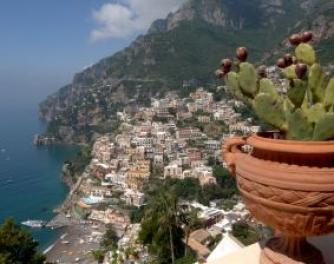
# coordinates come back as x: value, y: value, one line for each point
x: 161, y: 229
x: 212, y: 161
x: 200, y: 112
x: 190, y: 221
x: 245, y: 233
x: 228, y: 204
x: 172, y: 111
x: 214, y: 241
x: 136, y: 214
x: 105, y: 127
x: 190, y: 189
x: 110, y: 238
x: 188, y: 259
x: 214, y: 129
x: 17, y: 246
x: 224, y: 180
x: 219, y: 94
x: 160, y: 119
x: 77, y: 165
x: 98, y: 255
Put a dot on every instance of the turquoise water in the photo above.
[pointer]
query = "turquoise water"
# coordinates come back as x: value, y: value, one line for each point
x: 30, y: 185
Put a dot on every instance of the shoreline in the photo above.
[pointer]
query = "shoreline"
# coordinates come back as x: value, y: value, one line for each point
x: 59, y: 220
x: 75, y: 244
x: 74, y: 241
x: 49, y: 248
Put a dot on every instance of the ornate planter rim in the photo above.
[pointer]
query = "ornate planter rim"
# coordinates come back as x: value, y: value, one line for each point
x: 290, y: 146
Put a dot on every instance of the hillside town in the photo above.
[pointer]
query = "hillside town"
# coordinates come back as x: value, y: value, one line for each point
x: 167, y: 132
x: 174, y: 138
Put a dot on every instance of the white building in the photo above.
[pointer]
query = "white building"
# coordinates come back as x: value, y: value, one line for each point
x: 173, y: 171
x: 146, y: 142
x: 134, y: 198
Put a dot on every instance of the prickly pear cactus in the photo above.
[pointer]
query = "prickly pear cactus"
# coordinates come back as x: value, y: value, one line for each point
x: 268, y: 87
x: 232, y: 80
x: 305, y: 53
x: 306, y: 110
x: 290, y: 72
x: 329, y: 95
x: 299, y: 126
x: 316, y: 82
x: 297, y: 91
x: 248, y: 79
x: 315, y: 112
x: 324, y: 129
x: 269, y: 109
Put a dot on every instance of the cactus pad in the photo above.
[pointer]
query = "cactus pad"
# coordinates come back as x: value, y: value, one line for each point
x: 305, y: 52
x: 329, y: 95
x: 290, y: 72
x: 315, y: 112
x: 296, y: 92
x: 248, y: 79
x: 267, y: 86
x: 269, y: 110
x: 316, y: 82
x: 324, y: 129
x: 288, y: 107
x: 232, y: 82
x: 299, y: 127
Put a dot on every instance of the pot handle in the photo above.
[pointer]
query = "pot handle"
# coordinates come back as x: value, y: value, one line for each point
x: 232, y: 151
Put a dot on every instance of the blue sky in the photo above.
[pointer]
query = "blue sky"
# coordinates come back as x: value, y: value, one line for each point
x: 44, y: 42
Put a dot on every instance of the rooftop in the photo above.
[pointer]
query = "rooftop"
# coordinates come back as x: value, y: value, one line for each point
x: 251, y: 254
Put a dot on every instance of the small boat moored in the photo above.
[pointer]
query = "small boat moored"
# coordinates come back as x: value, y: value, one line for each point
x: 34, y: 223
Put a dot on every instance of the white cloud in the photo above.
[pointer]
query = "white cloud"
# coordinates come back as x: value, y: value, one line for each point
x: 119, y: 20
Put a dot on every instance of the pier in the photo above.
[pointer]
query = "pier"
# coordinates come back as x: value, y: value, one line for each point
x: 40, y: 140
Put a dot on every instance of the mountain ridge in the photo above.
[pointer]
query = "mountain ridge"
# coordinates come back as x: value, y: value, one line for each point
x: 183, y: 48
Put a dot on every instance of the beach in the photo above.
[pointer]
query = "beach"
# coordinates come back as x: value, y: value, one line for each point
x: 76, y: 243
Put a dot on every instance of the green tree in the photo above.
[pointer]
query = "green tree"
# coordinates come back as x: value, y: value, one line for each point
x: 110, y: 238
x: 225, y: 181
x: 188, y: 259
x: 245, y: 233
x: 191, y: 222
x: 78, y: 163
x: 161, y: 228
x: 172, y: 111
x: 98, y: 255
x: 212, y: 161
x: 136, y: 214
x: 18, y: 246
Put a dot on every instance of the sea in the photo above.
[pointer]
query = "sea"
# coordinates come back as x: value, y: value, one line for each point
x: 30, y: 183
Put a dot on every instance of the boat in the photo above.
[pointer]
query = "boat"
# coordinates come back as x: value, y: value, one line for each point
x: 34, y: 223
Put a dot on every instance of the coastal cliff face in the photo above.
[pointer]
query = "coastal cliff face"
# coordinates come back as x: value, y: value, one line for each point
x: 183, y: 48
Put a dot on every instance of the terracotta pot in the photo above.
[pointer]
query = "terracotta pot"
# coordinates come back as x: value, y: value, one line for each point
x: 288, y: 185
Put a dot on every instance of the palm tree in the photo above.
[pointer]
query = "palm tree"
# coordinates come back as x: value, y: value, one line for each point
x: 164, y: 209
x: 190, y: 221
